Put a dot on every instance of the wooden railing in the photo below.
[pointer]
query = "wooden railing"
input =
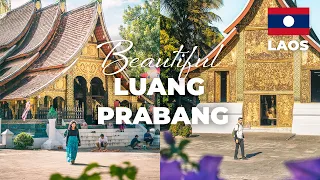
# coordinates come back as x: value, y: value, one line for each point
x: 75, y: 113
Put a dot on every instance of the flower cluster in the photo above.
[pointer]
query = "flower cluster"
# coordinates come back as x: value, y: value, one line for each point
x: 173, y: 159
x: 304, y: 169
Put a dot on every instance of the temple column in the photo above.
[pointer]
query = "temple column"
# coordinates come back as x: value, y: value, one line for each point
x: 297, y: 56
x: 110, y: 86
x: 70, y: 91
x: 13, y: 108
x: 33, y: 107
x: 217, y: 86
x: 89, y: 103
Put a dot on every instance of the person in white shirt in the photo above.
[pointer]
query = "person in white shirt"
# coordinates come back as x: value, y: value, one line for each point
x: 239, y: 139
x: 103, y: 142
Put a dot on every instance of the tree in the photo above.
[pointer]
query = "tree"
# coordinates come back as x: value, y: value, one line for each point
x: 188, y: 23
x: 142, y: 27
x: 193, y: 21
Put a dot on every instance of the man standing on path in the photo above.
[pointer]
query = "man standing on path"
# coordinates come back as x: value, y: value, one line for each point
x: 239, y: 139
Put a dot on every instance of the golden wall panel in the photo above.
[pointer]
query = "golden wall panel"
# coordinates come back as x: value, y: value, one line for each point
x: 217, y: 86
x: 240, y: 67
x: 228, y: 56
x: 203, y: 98
x: 232, y: 86
x: 268, y: 76
x: 305, y: 86
x: 251, y: 110
x: 89, y: 69
x: 261, y: 17
x: 90, y: 50
x: 70, y: 90
x: 256, y: 47
x: 285, y: 110
x: 311, y: 59
x: 296, y: 75
x: 210, y: 87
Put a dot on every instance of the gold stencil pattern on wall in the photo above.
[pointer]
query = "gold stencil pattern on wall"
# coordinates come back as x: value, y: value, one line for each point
x: 261, y: 17
x: 305, y: 86
x: 268, y: 76
x: 284, y: 110
x: 251, y: 110
x: 257, y: 46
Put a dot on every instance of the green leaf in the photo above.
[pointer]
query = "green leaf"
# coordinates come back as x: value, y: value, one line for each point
x: 56, y: 177
x: 184, y: 157
x: 167, y: 153
x: 183, y: 144
x: 90, y: 166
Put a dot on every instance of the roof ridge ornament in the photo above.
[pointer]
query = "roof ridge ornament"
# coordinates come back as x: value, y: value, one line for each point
x: 99, y: 6
x: 38, y: 4
x: 63, y: 5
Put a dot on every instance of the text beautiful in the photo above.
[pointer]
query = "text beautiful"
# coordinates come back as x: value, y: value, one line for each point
x: 160, y: 114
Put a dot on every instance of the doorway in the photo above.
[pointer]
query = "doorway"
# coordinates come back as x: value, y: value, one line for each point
x: 268, y: 110
x: 315, y: 86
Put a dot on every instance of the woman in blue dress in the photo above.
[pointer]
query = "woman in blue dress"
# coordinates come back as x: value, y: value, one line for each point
x: 73, y: 141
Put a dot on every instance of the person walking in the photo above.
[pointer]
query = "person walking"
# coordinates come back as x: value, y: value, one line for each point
x: 239, y: 139
x: 73, y: 141
x: 122, y: 126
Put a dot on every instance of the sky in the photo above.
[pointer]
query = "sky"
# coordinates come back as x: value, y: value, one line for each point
x: 113, y: 11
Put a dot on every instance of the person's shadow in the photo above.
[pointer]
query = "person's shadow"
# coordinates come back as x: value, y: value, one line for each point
x: 83, y: 164
x: 253, y: 154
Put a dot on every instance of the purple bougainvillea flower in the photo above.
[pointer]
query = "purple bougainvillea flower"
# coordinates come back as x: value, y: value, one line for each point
x: 208, y: 169
x: 169, y: 138
x: 305, y: 169
x: 170, y: 170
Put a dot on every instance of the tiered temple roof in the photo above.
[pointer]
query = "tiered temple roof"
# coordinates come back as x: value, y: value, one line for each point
x: 38, y: 46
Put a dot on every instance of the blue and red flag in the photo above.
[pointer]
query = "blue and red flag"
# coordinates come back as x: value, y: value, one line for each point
x: 288, y: 21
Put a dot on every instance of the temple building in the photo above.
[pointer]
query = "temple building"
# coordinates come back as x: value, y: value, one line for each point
x: 267, y: 85
x: 49, y: 57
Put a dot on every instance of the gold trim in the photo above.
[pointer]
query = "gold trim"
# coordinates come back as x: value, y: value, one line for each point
x: 269, y: 61
x: 253, y: 28
x: 269, y: 92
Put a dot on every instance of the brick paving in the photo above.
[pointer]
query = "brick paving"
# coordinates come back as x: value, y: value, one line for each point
x: 267, y: 152
x: 40, y: 164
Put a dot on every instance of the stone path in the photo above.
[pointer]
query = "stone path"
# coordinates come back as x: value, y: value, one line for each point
x: 40, y: 164
x: 267, y: 152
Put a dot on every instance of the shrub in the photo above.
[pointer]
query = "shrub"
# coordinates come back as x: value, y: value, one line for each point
x: 52, y: 114
x: 180, y: 129
x: 186, y: 131
x: 174, y: 129
x: 22, y: 140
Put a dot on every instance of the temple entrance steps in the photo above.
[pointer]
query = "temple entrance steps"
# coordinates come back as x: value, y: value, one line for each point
x: 89, y: 137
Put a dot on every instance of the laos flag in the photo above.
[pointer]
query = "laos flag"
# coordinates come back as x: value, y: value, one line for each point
x: 288, y: 21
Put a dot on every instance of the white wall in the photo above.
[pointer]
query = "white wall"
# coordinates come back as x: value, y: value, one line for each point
x: 306, y: 119
x: 234, y: 112
x: 37, y: 142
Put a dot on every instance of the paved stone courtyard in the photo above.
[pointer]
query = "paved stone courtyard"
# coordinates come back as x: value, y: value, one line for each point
x: 40, y: 164
x: 266, y: 152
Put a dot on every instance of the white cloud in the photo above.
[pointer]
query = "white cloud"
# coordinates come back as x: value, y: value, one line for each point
x: 113, y: 31
x: 17, y: 3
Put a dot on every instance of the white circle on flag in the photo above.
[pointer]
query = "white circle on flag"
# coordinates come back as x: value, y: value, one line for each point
x: 288, y: 21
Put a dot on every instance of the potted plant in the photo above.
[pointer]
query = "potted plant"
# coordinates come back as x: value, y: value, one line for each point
x: 52, y: 114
